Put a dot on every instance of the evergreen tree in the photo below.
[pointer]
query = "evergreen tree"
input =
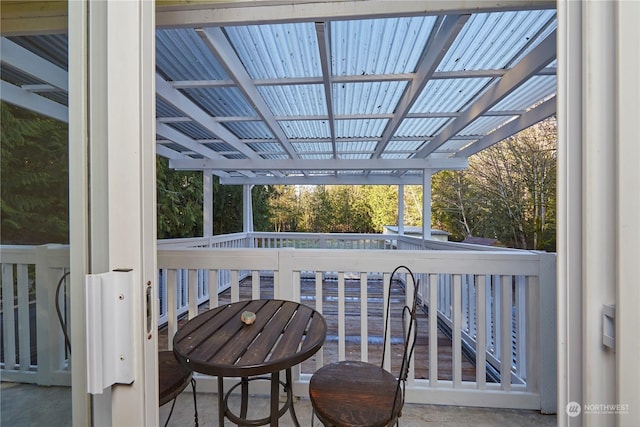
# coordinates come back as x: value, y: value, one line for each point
x: 34, y: 175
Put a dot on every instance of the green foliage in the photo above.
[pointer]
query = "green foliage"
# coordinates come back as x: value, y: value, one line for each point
x: 34, y: 176
x: 508, y: 192
x: 179, y: 201
x: 180, y: 204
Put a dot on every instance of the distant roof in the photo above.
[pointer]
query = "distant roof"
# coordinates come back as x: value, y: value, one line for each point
x: 328, y: 100
x: 481, y: 241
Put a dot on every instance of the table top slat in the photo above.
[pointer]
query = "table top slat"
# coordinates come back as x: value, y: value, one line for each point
x: 212, y: 339
x: 261, y: 348
x: 290, y: 342
x: 237, y: 344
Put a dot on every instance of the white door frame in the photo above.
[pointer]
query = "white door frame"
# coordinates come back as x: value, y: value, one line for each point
x: 112, y: 190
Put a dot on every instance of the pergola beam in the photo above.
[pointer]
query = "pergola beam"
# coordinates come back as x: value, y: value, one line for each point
x: 530, y: 118
x: 33, y: 102
x: 217, y: 41
x: 323, y: 33
x: 184, y: 104
x: 360, y: 78
x: 28, y: 62
x: 267, y: 11
x: 534, y: 61
x: 443, y: 36
x: 321, y: 164
x: 413, y: 179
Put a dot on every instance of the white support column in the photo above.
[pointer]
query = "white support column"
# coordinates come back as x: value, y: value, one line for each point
x: 426, y: 204
x: 598, y: 208
x: 207, y: 203
x: 112, y: 191
x: 569, y: 196
x: 247, y: 209
x: 401, y: 209
x: 627, y: 34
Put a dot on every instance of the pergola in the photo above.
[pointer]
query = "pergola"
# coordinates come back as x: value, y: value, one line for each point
x: 389, y: 99
x: 344, y: 100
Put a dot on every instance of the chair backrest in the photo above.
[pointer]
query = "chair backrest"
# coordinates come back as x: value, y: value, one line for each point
x: 409, y: 325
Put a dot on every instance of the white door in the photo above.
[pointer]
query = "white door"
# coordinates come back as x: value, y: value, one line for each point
x: 113, y: 213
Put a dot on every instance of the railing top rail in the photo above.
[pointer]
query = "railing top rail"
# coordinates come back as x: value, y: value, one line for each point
x: 455, y: 262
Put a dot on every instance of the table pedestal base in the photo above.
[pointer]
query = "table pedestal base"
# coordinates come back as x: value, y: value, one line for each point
x: 275, y: 411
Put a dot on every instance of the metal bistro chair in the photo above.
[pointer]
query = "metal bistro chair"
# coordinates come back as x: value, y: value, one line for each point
x: 350, y: 393
x: 172, y: 380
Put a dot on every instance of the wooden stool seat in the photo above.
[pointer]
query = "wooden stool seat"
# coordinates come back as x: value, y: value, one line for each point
x: 173, y: 378
x: 365, y: 396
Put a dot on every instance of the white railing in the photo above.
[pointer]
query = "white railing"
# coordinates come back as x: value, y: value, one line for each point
x: 30, y: 275
x: 485, y: 298
x: 482, y: 298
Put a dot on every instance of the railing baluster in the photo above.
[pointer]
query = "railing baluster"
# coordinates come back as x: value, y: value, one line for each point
x: 456, y: 339
x: 214, y: 288
x: 481, y: 332
x: 172, y: 306
x: 434, y: 284
x: 341, y: 317
x: 364, y: 318
x: 192, y: 293
x: 505, y: 332
x: 319, y: 300
x: 24, y: 327
x: 8, y: 317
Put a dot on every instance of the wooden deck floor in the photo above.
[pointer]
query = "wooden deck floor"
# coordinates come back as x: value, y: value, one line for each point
x: 352, y: 326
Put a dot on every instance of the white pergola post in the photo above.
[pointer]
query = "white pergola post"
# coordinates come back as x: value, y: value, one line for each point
x: 207, y: 203
x: 247, y: 209
x: 401, y: 209
x: 426, y: 204
x: 598, y: 211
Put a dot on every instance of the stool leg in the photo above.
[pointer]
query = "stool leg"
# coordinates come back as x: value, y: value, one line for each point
x: 195, y: 405
x: 171, y: 411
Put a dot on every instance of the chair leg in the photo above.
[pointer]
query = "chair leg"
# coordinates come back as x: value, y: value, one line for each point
x: 171, y: 411
x: 195, y: 405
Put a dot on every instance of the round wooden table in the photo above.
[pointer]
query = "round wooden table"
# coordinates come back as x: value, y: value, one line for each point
x: 218, y: 343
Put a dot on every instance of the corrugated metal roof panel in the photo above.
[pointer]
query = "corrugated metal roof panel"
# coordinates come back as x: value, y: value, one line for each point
x: 404, y: 145
x: 285, y: 100
x: 249, y: 130
x: 220, y: 147
x: 367, y: 97
x: 310, y: 147
x: 164, y: 109
x: 528, y: 94
x: 484, y: 125
x: 420, y: 127
x: 182, y: 55
x: 354, y: 156
x: 449, y: 95
x: 221, y: 101
x: 492, y: 40
x: 274, y: 156
x: 266, y: 147
x: 317, y: 156
x: 352, y: 146
x: 387, y: 155
x: 378, y: 46
x: 305, y: 128
x: 53, y: 48
x: 365, y: 128
x: 192, y: 130
x: 17, y: 77
x: 277, y: 51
